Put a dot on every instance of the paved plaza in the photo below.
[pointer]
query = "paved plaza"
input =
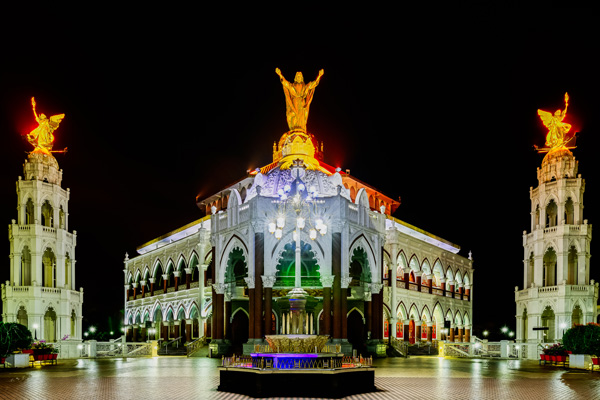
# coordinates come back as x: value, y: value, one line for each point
x: 396, y: 378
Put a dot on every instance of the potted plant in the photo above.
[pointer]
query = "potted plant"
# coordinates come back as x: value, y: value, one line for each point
x: 584, y: 342
x: 13, y: 338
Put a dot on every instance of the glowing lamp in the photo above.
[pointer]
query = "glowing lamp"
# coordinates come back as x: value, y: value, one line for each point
x: 301, y: 187
x: 280, y: 192
x: 284, y: 196
x: 313, y: 234
x: 278, y: 233
x: 318, y: 223
x: 272, y: 227
x: 323, y: 229
x: 300, y: 223
x: 308, y: 198
x: 280, y: 222
x: 287, y: 188
x: 312, y: 189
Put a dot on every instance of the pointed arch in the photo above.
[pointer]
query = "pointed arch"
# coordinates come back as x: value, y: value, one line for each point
x: 402, y: 266
x: 414, y: 264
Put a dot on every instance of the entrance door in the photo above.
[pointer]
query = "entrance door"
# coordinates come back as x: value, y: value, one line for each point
x: 239, y: 331
x: 411, y: 332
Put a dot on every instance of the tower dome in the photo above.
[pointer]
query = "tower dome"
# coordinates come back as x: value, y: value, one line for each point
x: 557, y: 164
x: 42, y: 167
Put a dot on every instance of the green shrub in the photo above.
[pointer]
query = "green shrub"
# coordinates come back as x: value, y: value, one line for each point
x: 14, y: 336
x: 583, y: 339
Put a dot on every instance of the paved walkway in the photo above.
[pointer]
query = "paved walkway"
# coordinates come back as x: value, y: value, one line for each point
x: 197, y: 378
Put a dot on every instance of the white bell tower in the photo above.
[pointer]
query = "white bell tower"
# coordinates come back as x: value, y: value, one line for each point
x: 41, y: 293
x: 557, y: 292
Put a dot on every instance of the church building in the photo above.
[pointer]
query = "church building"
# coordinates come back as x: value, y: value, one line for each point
x: 298, y: 247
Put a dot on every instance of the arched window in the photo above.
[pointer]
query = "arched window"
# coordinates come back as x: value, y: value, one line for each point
x: 67, y: 271
x: 572, y: 267
x: 49, y: 268
x: 61, y: 218
x: 548, y: 320
x: 29, y: 212
x: 22, y: 317
x: 577, y: 316
x: 549, y: 267
x: 530, y: 265
x: 26, y: 267
x: 551, y: 214
x: 569, y: 213
x: 47, y: 214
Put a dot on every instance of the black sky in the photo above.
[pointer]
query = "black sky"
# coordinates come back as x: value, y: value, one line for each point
x: 440, y: 112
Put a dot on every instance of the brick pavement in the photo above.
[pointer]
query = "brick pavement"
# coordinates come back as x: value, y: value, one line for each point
x: 197, y: 378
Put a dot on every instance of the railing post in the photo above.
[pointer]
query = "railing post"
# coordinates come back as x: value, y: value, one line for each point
x: 124, y: 344
x: 504, y: 348
x: 92, y: 349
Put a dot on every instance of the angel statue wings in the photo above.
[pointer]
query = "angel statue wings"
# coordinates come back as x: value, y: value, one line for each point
x: 298, y: 96
x: 41, y: 137
x: 557, y: 129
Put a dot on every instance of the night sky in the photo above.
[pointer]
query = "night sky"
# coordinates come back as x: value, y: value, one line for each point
x: 441, y: 113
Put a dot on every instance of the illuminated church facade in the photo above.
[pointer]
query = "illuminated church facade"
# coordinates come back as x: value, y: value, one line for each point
x: 365, y: 276
x: 41, y: 293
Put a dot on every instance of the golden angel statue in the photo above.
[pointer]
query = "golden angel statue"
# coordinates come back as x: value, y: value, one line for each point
x: 42, y: 137
x: 557, y: 129
x: 298, y: 96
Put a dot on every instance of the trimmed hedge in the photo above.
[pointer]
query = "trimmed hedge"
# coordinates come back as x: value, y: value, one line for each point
x: 583, y: 339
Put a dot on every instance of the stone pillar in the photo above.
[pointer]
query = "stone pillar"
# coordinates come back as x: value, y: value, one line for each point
x: 393, y: 294
x: 418, y: 333
x: 468, y: 333
x: 151, y: 286
x: 406, y: 331
x: 460, y: 292
x: 135, y: 333
x: 188, y: 330
x: 369, y: 311
x: 377, y: 309
x: 406, y: 281
x: 251, y: 291
x: 166, y: 282
x: 336, y: 269
x: 344, y: 307
x: 452, y: 289
x: 177, y: 277
x: 443, y: 283
x: 468, y: 292
x: 429, y: 332
x: 218, y: 308
x: 188, y: 277
x: 227, y: 316
x: 327, y: 282
x: 259, y: 259
x: 430, y: 283
x: 143, y: 285
x: 127, y: 287
x: 419, y: 283
x: 268, y: 282
x: 451, y: 333
x: 460, y: 333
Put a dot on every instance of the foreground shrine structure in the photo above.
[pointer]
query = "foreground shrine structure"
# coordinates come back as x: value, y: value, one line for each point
x: 557, y: 291
x: 41, y: 293
x: 298, y: 247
